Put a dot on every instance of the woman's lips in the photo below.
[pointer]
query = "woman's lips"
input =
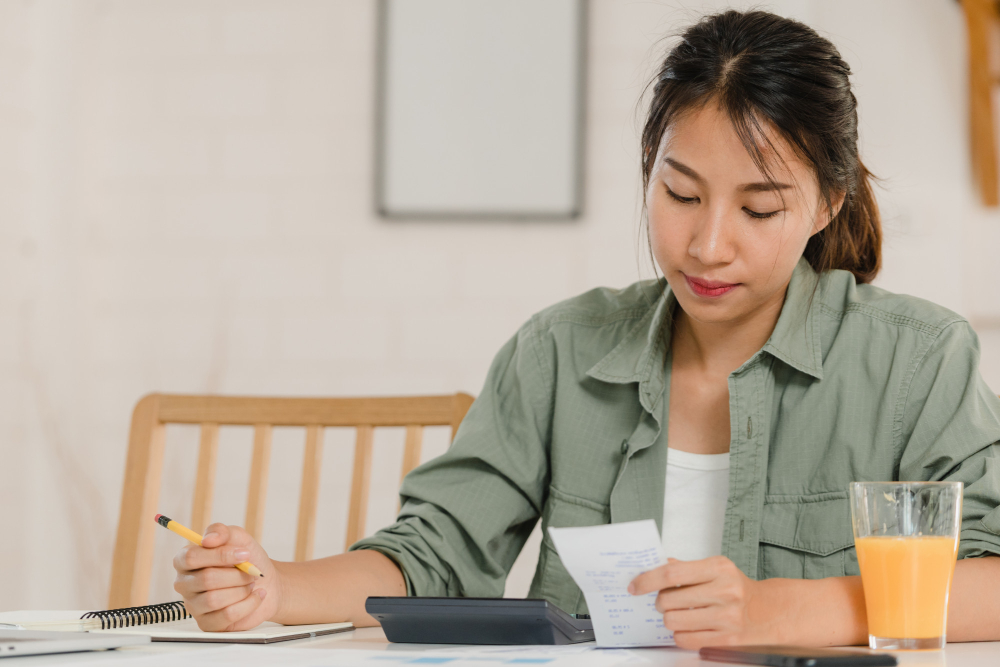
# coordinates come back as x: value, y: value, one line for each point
x: 709, y: 288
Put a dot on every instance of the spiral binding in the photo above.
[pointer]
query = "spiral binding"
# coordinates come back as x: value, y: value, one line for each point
x: 131, y: 616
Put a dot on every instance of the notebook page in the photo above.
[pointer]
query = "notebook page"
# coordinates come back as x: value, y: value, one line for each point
x: 66, y: 621
x: 603, y: 560
x: 188, y: 629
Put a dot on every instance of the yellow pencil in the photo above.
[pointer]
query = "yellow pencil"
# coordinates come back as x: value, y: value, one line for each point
x: 192, y: 536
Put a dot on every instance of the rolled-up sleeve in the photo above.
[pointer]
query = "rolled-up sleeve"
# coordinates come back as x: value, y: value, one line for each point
x: 949, y: 430
x: 466, y: 515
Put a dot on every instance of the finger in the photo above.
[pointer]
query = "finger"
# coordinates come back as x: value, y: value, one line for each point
x: 193, y: 557
x: 690, y: 597
x: 239, y: 537
x: 675, y: 573
x: 215, y: 536
x: 220, y: 598
x: 229, y: 618
x: 648, y: 581
x: 210, y: 578
x: 690, y: 620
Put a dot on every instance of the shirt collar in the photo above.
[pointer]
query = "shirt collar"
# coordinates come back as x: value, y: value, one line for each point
x: 796, y: 338
x: 641, y: 355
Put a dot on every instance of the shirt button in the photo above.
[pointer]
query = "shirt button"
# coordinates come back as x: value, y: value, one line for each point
x: 624, y: 447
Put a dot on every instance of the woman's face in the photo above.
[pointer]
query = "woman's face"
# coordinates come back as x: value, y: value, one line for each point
x: 726, y: 239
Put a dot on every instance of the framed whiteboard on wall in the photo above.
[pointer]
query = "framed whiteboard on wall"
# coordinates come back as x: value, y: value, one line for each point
x: 480, y: 109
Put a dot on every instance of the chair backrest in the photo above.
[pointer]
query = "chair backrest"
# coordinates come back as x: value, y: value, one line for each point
x: 133, y: 557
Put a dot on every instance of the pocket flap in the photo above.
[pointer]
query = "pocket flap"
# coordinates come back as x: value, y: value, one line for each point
x: 818, y: 524
x: 991, y: 521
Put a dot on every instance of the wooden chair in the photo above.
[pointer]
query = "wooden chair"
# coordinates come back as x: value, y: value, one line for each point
x: 133, y: 557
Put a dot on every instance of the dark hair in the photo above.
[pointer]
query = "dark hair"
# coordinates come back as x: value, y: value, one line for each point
x: 762, y: 70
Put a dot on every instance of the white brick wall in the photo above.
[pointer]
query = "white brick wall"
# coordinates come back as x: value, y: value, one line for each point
x: 186, y: 205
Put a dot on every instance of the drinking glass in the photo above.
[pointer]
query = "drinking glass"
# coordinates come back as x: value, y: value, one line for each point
x: 906, y: 536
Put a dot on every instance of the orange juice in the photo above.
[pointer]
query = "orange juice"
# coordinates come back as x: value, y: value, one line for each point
x: 906, y: 582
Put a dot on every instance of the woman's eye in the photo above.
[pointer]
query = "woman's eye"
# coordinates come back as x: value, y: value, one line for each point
x: 682, y: 200
x: 761, y: 216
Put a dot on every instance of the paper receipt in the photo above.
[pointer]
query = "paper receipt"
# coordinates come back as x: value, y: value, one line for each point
x: 603, y: 560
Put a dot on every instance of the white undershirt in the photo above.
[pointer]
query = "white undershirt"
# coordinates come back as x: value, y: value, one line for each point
x: 694, y: 504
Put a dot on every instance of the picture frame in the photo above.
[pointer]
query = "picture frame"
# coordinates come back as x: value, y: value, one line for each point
x: 480, y: 109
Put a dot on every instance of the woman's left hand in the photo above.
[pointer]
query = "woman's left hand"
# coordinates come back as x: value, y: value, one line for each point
x: 711, y: 602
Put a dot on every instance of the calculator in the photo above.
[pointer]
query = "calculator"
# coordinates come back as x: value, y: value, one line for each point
x: 431, y: 620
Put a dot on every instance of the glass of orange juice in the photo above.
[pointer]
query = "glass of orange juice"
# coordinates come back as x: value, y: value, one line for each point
x: 906, y: 536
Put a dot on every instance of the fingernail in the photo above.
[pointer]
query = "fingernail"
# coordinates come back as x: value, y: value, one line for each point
x: 242, y: 554
x: 261, y: 592
x: 252, y: 586
x: 208, y: 535
x: 631, y: 589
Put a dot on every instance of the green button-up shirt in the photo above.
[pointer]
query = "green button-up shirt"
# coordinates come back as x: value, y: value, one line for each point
x: 854, y: 384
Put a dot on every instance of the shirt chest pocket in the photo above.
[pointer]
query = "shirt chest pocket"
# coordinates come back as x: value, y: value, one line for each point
x: 552, y: 581
x: 807, y: 537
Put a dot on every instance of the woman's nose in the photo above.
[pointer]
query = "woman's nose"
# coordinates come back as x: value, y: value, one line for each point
x: 712, y: 242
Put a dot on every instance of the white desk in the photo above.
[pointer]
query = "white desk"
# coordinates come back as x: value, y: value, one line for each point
x: 984, y: 654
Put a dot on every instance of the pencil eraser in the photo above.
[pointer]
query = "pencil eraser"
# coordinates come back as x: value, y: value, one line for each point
x: 157, y: 518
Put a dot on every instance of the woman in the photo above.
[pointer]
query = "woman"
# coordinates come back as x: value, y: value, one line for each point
x: 732, y: 402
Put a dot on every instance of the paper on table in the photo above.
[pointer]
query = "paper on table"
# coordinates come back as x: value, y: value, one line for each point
x: 65, y: 621
x: 268, y: 656
x: 533, y: 652
x: 603, y: 560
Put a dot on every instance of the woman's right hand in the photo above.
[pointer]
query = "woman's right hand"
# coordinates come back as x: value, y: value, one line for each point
x: 220, y: 597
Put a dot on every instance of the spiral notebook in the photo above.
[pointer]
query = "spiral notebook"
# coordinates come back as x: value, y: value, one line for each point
x: 169, y: 622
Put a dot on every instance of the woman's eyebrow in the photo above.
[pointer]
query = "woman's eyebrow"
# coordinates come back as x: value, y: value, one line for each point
x: 684, y: 169
x: 762, y: 186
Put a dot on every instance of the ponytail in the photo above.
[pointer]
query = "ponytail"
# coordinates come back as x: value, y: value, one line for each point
x: 853, y: 239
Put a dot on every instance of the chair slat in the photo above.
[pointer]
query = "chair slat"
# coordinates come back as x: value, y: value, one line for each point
x: 259, y: 469
x: 360, y: 485
x: 132, y: 563
x: 411, y: 449
x: 204, y: 486
x: 460, y: 405
x: 411, y: 453
x: 305, y: 538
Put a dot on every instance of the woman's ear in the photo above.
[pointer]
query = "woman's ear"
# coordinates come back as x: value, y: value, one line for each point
x: 826, y: 213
